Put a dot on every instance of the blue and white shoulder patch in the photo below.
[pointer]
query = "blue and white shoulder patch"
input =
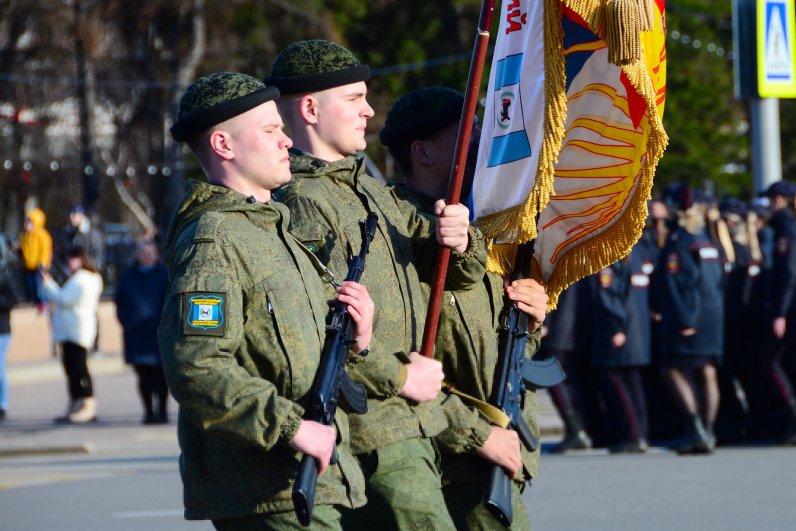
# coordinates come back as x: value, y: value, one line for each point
x: 204, y: 313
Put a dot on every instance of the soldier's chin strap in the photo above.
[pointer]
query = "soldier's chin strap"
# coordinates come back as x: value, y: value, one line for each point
x: 494, y: 414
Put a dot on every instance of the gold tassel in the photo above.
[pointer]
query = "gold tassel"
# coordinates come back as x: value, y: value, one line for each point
x: 647, y: 11
x: 623, y: 31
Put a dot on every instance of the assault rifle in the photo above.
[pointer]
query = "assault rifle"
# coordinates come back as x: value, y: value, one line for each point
x: 514, y: 374
x: 332, y: 380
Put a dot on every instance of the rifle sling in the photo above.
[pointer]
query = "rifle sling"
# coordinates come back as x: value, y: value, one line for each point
x: 494, y: 414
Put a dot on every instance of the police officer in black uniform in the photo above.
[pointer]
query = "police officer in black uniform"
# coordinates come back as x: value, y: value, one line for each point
x: 621, y: 346
x: 693, y: 320
x: 737, y: 374
x: 559, y: 333
x: 781, y: 311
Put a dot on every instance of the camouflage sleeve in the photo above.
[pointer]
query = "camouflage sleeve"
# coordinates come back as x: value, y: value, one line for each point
x: 533, y: 343
x: 383, y: 373
x: 467, y: 429
x: 214, y: 391
x: 464, y: 269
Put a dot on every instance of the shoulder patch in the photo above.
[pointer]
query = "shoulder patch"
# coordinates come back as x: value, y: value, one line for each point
x: 673, y: 263
x: 204, y: 313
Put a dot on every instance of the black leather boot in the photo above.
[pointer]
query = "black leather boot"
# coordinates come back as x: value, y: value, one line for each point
x: 696, y: 439
x: 575, y: 437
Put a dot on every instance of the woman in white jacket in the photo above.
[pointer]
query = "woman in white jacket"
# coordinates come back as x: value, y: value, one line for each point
x: 74, y: 325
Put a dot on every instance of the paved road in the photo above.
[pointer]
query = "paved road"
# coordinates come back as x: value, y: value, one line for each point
x: 118, y: 475
x: 736, y: 489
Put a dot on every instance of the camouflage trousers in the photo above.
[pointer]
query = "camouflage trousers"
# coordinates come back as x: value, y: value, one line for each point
x: 468, y: 512
x: 403, y: 488
x: 324, y: 517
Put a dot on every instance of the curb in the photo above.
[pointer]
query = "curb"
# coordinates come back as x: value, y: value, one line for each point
x: 23, y: 451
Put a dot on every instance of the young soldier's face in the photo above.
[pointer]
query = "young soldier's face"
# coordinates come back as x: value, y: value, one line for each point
x: 343, y: 117
x: 261, y: 145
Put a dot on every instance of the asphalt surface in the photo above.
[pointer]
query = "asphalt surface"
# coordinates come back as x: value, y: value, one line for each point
x: 117, y: 474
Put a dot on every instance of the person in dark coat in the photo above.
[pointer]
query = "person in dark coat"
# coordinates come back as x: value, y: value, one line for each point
x: 140, y: 295
x: 737, y: 374
x: 665, y: 420
x: 621, y: 346
x: 780, y: 293
x: 692, y: 328
x: 559, y: 339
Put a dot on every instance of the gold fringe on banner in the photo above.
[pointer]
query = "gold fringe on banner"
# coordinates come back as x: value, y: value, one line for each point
x: 617, y: 241
x: 518, y: 223
x: 592, y: 12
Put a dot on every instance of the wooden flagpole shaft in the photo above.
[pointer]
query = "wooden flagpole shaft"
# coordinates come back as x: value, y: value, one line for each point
x: 457, y: 171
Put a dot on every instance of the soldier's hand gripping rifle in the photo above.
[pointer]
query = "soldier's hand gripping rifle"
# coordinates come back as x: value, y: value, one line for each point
x: 514, y: 374
x: 332, y: 380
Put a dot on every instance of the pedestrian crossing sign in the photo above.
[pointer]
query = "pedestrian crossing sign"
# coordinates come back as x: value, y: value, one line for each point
x: 776, y: 50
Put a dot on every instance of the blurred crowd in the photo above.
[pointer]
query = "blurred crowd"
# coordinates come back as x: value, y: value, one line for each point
x: 689, y: 341
x: 64, y: 275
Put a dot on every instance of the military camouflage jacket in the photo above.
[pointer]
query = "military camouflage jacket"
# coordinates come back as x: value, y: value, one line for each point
x: 327, y: 201
x: 241, y: 336
x: 467, y: 346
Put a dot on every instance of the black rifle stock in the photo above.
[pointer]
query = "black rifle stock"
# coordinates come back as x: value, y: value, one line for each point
x: 332, y: 380
x: 514, y: 374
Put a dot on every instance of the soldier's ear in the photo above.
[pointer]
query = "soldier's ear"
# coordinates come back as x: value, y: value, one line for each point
x: 220, y: 143
x: 308, y: 109
x: 420, y: 152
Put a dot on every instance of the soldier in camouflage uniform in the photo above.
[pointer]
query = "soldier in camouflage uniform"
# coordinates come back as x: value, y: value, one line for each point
x: 421, y: 132
x: 324, y: 104
x: 243, y: 325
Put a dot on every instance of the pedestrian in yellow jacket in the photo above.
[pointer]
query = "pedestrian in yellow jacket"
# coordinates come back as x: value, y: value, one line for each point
x: 36, y: 247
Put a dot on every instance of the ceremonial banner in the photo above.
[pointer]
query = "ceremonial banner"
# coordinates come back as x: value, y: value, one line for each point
x: 594, y: 210
x: 517, y: 148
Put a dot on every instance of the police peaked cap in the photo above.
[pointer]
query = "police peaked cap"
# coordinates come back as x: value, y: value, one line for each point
x: 682, y: 197
x: 215, y: 98
x: 421, y: 113
x: 311, y: 66
x: 784, y: 188
x: 732, y: 205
